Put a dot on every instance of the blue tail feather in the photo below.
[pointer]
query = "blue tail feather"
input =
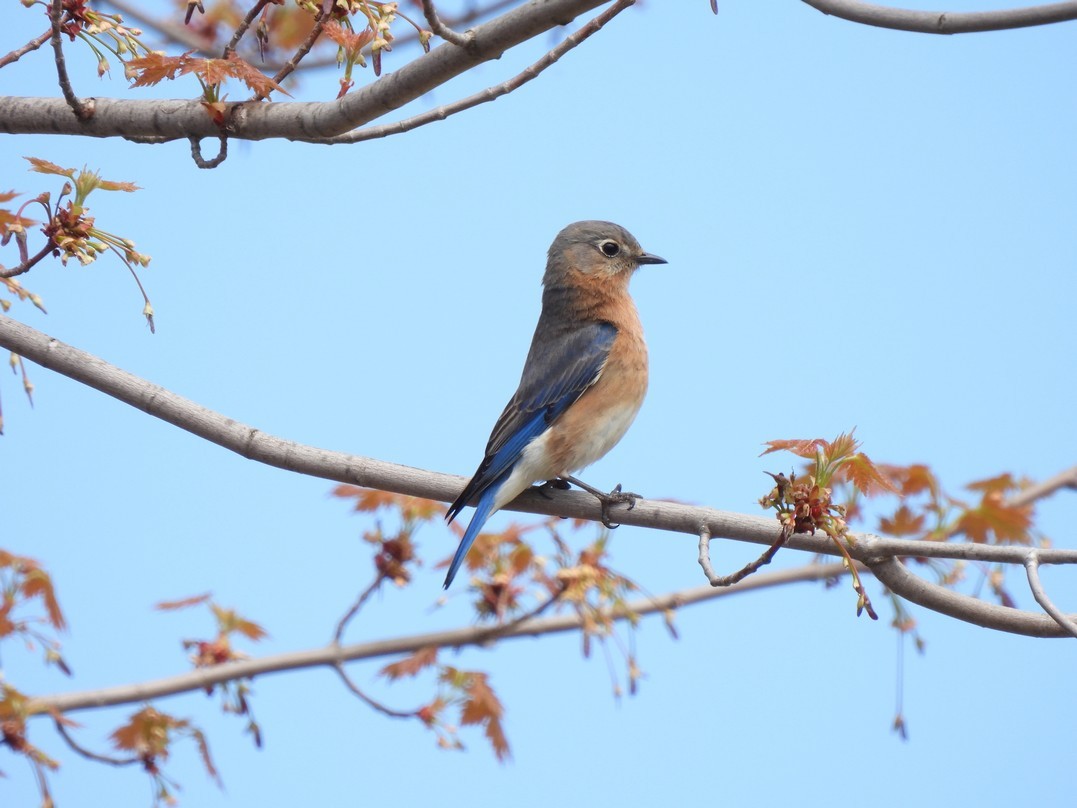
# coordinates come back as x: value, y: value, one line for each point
x: 482, y: 513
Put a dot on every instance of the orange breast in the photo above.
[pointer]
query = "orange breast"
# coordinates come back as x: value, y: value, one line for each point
x: 599, y: 419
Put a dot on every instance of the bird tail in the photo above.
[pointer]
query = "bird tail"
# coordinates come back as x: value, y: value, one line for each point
x: 482, y: 512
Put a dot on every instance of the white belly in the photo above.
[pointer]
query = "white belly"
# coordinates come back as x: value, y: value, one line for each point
x: 536, y: 464
x: 596, y: 443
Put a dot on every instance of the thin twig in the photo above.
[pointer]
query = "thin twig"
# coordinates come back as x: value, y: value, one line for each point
x: 82, y: 111
x: 32, y: 45
x: 88, y: 754
x: 1065, y: 479
x: 244, y: 26
x: 738, y: 576
x: 355, y: 607
x: 494, y: 633
x: 196, y: 153
x: 487, y: 95
x: 320, y: 19
x: 27, y: 264
x: 1032, y: 565
x: 442, y: 30
x: 369, y: 701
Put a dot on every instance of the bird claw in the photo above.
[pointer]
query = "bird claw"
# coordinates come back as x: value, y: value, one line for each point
x: 616, y: 497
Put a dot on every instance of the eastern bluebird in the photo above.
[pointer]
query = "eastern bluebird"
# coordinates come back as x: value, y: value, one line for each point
x: 583, y: 381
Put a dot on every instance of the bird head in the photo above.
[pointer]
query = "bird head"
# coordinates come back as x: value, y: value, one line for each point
x: 595, y: 249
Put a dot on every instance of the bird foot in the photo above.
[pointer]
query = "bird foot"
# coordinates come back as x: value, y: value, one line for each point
x: 614, y: 497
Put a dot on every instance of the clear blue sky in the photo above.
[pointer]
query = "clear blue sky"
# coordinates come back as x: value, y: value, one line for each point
x: 864, y: 228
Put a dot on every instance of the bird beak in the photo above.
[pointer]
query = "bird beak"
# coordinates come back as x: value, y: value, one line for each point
x: 647, y: 258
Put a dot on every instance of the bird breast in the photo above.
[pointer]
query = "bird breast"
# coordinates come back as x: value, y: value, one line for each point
x: 599, y: 419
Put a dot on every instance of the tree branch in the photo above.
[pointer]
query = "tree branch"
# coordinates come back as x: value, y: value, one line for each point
x: 441, y: 29
x: 335, y: 655
x: 1065, y: 479
x: 289, y: 67
x: 896, y: 576
x: 29, y: 262
x: 944, y: 22
x: 82, y: 111
x: 877, y: 553
x: 200, y: 161
x: 32, y: 45
x: 1032, y: 569
x: 490, y: 93
x: 171, y: 119
x: 244, y: 26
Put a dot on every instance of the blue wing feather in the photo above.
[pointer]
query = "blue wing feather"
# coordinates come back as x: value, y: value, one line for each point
x: 562, y: 363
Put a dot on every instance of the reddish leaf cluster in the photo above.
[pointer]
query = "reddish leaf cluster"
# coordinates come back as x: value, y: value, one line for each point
x: 24, y: 583
x: 149, y: 735
x: 153, y: 68
x: 922, y: 509
x: 395, y: 553
x: 23, y: 580
x: 76, y: 17
x: 806, y: 504
x: 219, y: 650
x: 14, y: 710
x: 466, y: 691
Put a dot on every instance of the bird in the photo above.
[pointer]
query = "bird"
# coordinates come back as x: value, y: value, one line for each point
x: 582, y: 384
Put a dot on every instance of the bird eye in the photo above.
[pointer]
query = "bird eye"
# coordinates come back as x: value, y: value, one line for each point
x: 609, y: 248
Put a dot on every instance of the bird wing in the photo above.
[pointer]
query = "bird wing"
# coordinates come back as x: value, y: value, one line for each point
x: 559, y: 368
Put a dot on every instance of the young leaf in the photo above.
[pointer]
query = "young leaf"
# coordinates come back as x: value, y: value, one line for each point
x: 172, y: 605
x: 411, y: 665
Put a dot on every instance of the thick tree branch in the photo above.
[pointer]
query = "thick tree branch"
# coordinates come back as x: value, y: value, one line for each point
x: 877, y: 553
x: 294, y: 120
x: 334, y: 655
x: 945, y: 22
x: 901, y: 581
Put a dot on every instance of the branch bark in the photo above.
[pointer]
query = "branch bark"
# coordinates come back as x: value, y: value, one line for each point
x: 335, y: 655
x: 878, y: 554
x: 944, y: 22
x: 172, y: 119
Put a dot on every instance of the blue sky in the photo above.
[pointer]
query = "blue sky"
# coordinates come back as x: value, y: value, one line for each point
x: 864, y: 228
